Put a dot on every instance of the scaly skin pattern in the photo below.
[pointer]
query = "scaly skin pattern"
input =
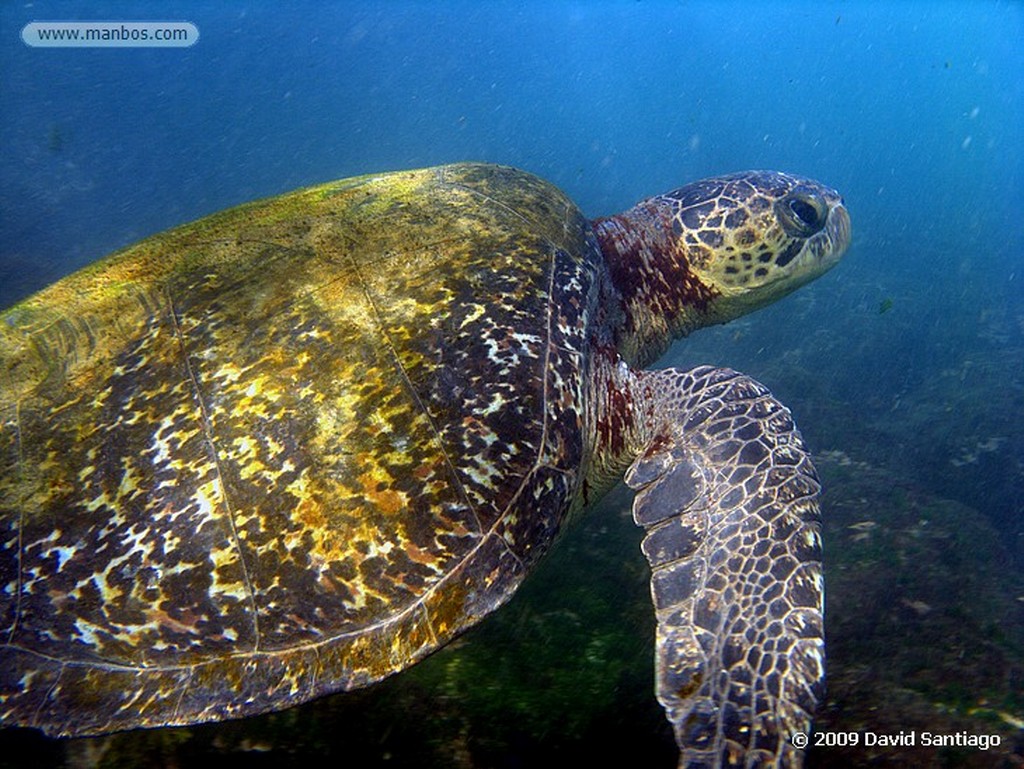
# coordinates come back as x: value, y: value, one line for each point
x: 288, y: 449
x: 728, y: 497
x: 704, y: 254
x: 715, y: 250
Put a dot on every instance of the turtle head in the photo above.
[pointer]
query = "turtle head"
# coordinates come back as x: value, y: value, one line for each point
x: 717, y: 249
x: 752, y: 238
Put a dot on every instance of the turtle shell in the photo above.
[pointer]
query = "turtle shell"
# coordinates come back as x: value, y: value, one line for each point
x: 288, y: 449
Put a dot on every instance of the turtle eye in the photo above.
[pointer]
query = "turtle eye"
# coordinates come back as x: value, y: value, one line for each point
x: 802, y: 213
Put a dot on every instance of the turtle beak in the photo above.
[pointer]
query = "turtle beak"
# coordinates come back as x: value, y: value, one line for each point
x: 838, y: 230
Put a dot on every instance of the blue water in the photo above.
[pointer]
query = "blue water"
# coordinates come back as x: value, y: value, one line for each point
x: 909, y: 356
x: 913, y: 110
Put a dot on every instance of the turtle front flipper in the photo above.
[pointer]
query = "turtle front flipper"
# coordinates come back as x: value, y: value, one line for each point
x: 727, y: 494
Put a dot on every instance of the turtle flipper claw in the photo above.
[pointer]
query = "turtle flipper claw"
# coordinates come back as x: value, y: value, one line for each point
x: 727, y: 494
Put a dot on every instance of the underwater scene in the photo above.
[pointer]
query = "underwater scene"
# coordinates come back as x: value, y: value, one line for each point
x: 903, y: 366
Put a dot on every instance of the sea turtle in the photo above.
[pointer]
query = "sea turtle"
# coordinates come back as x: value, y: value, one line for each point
x: 296, y: 446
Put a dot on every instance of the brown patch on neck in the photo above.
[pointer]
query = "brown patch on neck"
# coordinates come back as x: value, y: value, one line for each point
x: 650, y: 267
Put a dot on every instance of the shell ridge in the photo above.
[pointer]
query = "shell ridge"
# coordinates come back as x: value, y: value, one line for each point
x: 552, y: 268
x: 313, y: 646
x: 208, y: 436
x: 541, y: 461
x: 47, y: 698
x: 491, y: 201
x: 16, y: 621
x: 438, y: 438
x: 181, y: 693
x: 430, y: 625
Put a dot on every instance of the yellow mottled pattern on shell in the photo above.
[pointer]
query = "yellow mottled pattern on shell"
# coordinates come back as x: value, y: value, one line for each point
x: 290, y: 448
